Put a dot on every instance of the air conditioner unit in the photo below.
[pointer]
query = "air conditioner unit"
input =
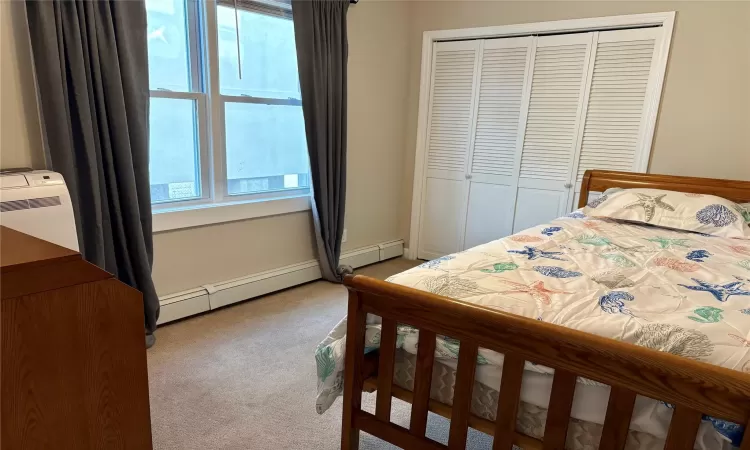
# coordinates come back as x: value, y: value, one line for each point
x: 38, y: 203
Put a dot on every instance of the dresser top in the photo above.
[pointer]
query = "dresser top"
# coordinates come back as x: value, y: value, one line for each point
x: 21, y: 251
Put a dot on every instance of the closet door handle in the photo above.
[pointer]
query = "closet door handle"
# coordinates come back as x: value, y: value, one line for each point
x: 568, y: 185
x: 468, y: 176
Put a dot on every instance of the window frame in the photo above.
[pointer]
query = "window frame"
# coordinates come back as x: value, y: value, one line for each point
x: 205, y: 86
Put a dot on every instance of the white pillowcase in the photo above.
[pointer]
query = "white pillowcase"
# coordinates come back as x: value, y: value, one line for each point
x: 678, y: 210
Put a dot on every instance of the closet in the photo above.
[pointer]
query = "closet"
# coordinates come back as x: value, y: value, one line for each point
x: 512, y: 124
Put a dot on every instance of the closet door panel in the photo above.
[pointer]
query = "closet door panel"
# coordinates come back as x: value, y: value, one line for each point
x: 622, y: 79
x: 501, y: 111
x: 560, y: 67
x: 490, y: 213
x: 449, y: 129
x: 549, y: 205
x: 442, y: 220
x: 451, y: 108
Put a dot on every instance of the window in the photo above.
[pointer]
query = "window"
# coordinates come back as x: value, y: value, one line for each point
x: 226, y: 120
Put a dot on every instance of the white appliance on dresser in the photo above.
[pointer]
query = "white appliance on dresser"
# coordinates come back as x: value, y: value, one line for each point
x: 38, y: 203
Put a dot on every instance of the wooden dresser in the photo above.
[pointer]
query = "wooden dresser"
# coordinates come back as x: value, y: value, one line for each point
x: 73, y: 369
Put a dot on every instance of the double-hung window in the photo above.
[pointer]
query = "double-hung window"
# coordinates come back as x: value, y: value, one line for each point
x: 226, y: 122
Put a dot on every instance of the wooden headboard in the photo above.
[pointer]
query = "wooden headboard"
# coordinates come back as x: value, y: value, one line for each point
x: 600, y: 180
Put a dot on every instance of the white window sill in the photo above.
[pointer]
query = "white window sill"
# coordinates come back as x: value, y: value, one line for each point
x: 208, y: 214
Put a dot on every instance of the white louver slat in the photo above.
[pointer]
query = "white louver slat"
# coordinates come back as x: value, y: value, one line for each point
x: 556, y: 93
x: 451, y: 106
x: 620, y: 84
x: 501, y: 84
x: 558, y: 82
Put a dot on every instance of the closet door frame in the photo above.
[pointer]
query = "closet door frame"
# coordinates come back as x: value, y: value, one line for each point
x: 663, y: 19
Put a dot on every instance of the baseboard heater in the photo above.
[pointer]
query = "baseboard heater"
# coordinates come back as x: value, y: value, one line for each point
x: 211, y: 296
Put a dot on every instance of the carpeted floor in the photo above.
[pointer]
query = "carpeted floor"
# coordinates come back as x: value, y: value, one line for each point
x: 243, y: 377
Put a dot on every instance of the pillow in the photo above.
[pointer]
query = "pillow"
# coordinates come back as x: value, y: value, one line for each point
x: 669, y: 209
x: 611, y: 191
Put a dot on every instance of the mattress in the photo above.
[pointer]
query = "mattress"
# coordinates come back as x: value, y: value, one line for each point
x: 589, y: 402
x: 669, y: 290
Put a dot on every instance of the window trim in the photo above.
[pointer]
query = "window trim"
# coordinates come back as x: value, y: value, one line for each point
x: 201, y: 126
x: 214, y: 213
x: 216, y: 205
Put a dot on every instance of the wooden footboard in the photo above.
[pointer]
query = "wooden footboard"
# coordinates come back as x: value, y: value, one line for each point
x: 694, y: 388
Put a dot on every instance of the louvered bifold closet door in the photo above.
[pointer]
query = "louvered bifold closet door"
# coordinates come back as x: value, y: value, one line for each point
x: 622, y: 79
x: 560, y: 67
x: 502, y: 100
x: 448, y: 140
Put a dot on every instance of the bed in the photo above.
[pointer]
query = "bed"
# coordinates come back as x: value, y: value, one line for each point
x: 580, y: 333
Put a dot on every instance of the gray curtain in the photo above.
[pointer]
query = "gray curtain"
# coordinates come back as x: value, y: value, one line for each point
x: 91, y: 64
x: 320, y: 36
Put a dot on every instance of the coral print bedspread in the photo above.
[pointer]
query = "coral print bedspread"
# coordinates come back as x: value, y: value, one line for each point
x: 673, y: 291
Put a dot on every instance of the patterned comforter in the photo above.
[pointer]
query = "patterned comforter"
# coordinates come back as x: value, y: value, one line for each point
x: 673, y: 291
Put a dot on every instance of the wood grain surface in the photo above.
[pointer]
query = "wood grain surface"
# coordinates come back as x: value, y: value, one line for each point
x: 461, y: 410
x: 40, y: 278
x: 353, y: 371
x: 507, y: 402
x: 74, y: 369
x: 387, y: 354
x: 20, y: 251
x: 746, y: 438
x: 617, y: 419
x: 683, y: 428
x: 558, y: 413
x: 601, y: 180
x: 422, y: 382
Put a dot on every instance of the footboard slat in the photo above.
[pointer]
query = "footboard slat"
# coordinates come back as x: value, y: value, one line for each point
x: 746, y: 440
x: 353, y: 365
x: 422, y: 382
x: 507, y: 402
x: 467, y: 365
x: 617, y: 420
x: 683, y: 429
x: 558, y: 414
x: 385, y: 369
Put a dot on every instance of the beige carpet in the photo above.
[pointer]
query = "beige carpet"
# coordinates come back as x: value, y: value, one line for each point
x: 243, y: 377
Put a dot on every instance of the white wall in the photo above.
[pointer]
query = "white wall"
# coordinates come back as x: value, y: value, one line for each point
x: 20, y: 134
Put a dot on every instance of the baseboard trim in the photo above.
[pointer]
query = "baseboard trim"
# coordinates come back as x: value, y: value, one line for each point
x: 361, y: 256
x: 208, y: 297
x: 244, y: 288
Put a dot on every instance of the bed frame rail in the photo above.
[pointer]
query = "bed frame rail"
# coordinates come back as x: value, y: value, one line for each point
x: 601, y: 180
x: 693, y: 387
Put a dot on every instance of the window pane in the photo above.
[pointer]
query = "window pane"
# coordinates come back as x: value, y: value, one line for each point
x: 168, y: 54
x: 267, y: 52
x: 174, y: 157
x: 266, y: 148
